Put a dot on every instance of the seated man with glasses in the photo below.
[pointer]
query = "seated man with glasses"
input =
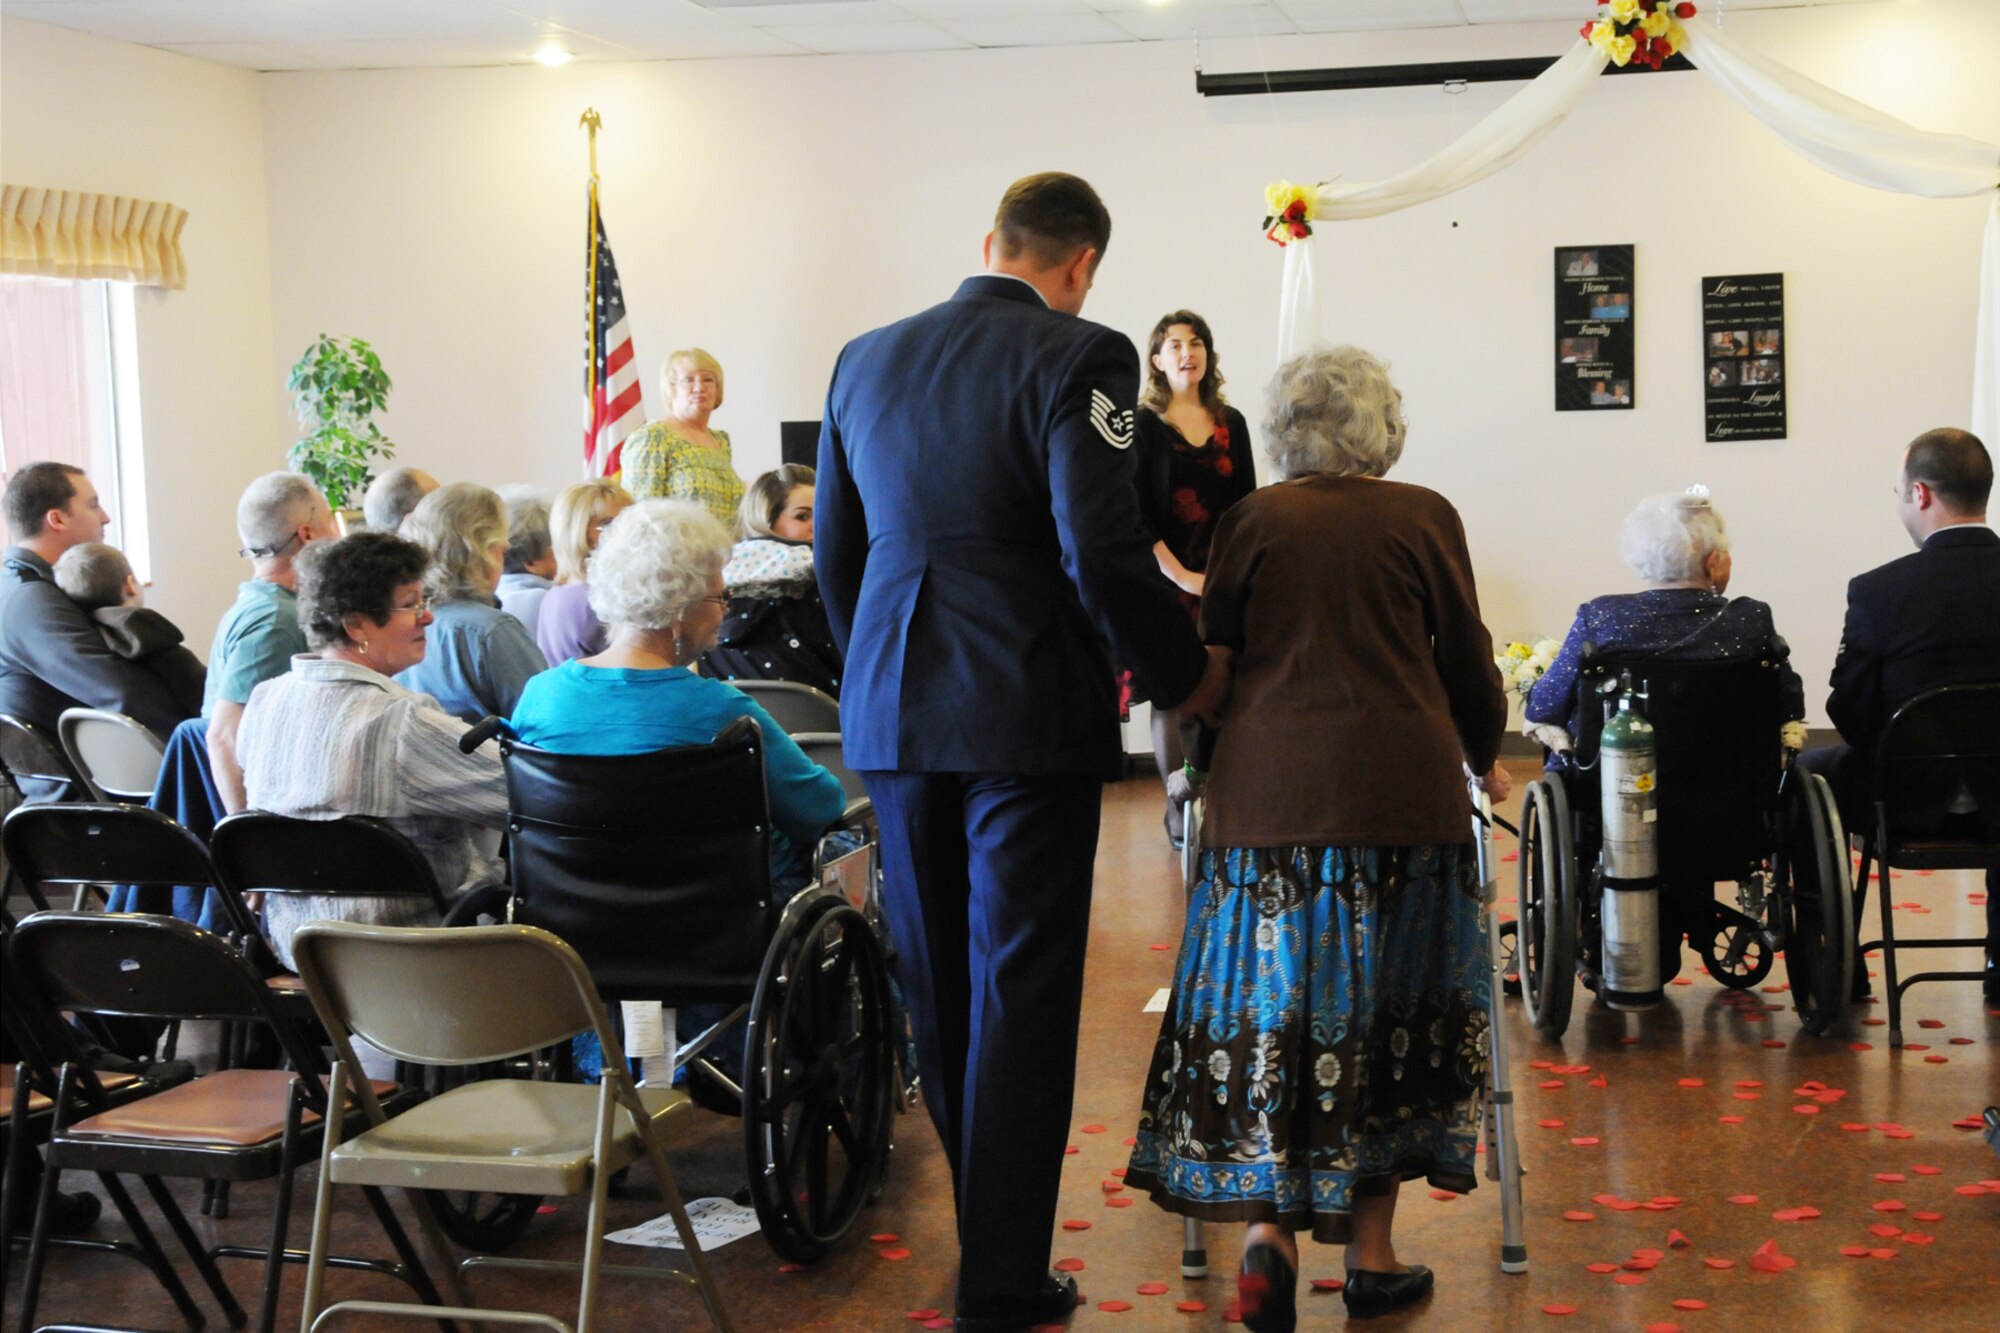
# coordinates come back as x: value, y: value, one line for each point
x: 336, y: 735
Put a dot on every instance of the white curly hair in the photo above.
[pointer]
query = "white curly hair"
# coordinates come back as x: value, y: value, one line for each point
x: 654, y: 562
x: 1333, y: 412
x: 1668, y: 538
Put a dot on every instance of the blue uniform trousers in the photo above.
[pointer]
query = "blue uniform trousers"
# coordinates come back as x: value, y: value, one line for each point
x: 987, y: 881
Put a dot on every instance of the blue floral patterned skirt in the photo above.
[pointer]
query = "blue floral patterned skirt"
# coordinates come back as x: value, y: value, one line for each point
x: 1326, y: 1037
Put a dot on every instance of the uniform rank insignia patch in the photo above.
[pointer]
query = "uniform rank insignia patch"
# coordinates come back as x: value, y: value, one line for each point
x: 1112, y: 423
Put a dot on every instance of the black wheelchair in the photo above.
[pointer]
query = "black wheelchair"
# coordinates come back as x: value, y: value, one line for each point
x: 655, y: 868
x: 1732, y: 808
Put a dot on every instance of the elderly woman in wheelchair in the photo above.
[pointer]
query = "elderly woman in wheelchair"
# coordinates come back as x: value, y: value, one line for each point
x: 1713, y: 678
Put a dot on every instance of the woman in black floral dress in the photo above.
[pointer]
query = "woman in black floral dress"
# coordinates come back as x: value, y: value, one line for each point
x: 1194, y: 462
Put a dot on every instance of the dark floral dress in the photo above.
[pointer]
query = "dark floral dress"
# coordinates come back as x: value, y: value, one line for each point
x: 1327, y: 1036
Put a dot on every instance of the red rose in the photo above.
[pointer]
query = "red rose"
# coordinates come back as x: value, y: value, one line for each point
x: 1224, y: 467
x: 1221, y: 436
x: 1684, y: 10
x: 1584, y: 31
x: 1297, y: 211
x: 1187, y: 505
x: 1300, y: 230
x: 1648, y: 5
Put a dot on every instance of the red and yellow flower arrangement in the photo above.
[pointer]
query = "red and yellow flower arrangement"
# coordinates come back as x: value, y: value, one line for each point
x: 1642, y: 31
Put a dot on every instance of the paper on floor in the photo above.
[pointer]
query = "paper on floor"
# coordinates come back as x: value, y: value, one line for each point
x: 716, y: 1222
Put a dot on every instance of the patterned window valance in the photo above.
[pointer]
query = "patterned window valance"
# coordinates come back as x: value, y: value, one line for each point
x: 69, y: 234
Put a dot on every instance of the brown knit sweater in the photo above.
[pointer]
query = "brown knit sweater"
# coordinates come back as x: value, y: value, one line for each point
x: 1363, y: 674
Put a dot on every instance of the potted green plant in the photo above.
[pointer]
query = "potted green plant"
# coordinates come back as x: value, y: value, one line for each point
x: 337, y: 387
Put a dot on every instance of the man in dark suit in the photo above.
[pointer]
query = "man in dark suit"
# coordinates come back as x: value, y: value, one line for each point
x: 1928, y: 619
x: 51, y: 655
x: 984, y: 563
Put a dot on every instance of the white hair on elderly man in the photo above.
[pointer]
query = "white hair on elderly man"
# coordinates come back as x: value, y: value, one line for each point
x: 274, y: 507
x: 1668, y: 538
x: 1333, y: 412
x: 654, y: 562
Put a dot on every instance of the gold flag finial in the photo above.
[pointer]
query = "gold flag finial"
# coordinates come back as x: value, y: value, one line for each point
x: 593, y: 122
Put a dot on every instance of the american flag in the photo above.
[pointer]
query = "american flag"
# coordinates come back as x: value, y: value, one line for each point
x: 611, y: 405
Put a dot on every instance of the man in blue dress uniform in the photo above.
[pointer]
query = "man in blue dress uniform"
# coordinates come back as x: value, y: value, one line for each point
x: 983, y: 562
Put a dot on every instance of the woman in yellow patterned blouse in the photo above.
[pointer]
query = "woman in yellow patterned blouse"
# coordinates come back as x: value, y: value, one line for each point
x: 680, y: 457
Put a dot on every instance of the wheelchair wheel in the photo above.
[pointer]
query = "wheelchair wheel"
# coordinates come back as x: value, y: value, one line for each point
x: 1545, y: 944
x: 820, y: 1079
x: 1816, y: 902
x: 1738, y: 949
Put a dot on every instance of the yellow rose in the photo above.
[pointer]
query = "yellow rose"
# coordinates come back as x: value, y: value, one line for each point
x: 1624, y: 11
x: 1603, y: 35
x: 1620, y: 50
x: 1677, y: 38
x: 1281, y: 195
x: 1656, y: 23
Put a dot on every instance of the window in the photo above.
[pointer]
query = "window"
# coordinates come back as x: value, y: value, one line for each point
x: 69, y: 392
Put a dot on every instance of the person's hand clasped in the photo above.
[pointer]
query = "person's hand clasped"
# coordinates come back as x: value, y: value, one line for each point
x: 1494, y: 782
x: 1212, y: 692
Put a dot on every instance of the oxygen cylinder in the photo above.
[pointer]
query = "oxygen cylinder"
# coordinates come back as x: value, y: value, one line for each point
x: 1630, y: 909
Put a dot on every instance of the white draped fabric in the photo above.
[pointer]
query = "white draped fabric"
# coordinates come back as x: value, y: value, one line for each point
x: 1854, y: 141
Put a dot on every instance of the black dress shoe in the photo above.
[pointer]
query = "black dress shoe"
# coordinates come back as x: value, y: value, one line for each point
x: 1267, y: 1291
x: 1369, y: 1294
x: 72, y: 1213
x: 1053, y: 1304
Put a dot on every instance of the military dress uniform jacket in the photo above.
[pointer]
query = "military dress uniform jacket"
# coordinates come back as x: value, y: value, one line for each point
x: 999, y: 564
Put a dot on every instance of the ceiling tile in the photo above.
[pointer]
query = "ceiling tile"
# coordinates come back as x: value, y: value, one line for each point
x: 1528, y: 11
x: 904, y: 35
x: 828, y: 13
x: 261, y: 56
x: 457, y: 20
x: 1169, y: 22
x: 189, y: 21
x: 1365, y: 15
x: 1035, y: 29
x: 989, y: 9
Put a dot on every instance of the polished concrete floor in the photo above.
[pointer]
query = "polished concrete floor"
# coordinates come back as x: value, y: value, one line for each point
x: 1708, y: 1101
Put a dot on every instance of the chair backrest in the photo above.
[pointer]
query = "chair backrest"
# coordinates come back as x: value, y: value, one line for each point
x: 118, y: 757
x: 439, y: 996
x: 654, y: 867
x: 259, y: 852
x: 1718, y: 727
x: 144, y: 967
x: 1937, y: 763
x: 33, y: 758
x: 793, y: 706
x: 823, y: 748
x: 107, y: 843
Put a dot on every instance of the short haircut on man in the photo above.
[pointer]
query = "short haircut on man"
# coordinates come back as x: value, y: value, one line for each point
x: 33, y: 491
x: 93, y: 575
x: 1955, y: 465
x: 1049, y: 217
x: 273, y: 508
x: 391, y: 497
x: 528, y: 539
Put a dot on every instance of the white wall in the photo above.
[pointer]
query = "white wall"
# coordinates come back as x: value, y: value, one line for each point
x: 81, y: 113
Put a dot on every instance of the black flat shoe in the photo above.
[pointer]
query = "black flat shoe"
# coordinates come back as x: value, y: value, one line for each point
x: 1369, y: 1294
x: 1053, y: 1304
x: 1267, y: 1291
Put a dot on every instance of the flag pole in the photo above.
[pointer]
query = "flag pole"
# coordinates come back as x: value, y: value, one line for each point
x: 592, y: 122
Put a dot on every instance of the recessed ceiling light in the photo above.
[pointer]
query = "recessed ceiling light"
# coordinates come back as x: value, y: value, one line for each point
x: 553, y: 56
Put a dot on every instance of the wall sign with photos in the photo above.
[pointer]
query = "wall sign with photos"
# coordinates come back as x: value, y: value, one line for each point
x: 1594, y: 328
x: 1743, y: 355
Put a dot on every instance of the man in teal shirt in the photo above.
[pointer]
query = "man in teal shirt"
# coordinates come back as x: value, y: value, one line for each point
x: 278, y: 515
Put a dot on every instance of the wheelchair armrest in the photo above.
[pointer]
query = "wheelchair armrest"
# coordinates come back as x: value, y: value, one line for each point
x: 859, y: 815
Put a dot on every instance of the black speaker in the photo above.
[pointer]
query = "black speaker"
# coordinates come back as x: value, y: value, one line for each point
x: 799, y: 441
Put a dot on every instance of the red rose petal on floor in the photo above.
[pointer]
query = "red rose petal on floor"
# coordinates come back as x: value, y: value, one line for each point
x: 896, y: 1254
x: 1068, y: 1265
x: 1653, y: 1256
x: 1110, y: 1187
x: 1860, y: 1046
x: 1683, y: 981
x: 1931, y: 1023
x: 1689, y: 1303
x: 1890, y: 1206
x: 1961, y: 1041
x: 1747, y: 1096
x: 940, y: 1322
x: 1928, y: 1217
x: 545, y: 1209
x: 1917, y: 1238
x: 918, y: 1316
x: 1967, y: 1190
x: 1328, y: 1283
x: 1807, y: 1108
x: 1119, y: 1201
x: 1600, y: 1268
x: 1886, y: 1230
x: 1600, y: 1082
x: 1854, y: 1251
x: 1076, y: 1224
x: 1550, y: 1124
x: 1677, y: 1241
x: 1774, y: 1045
x: 1857, y: 1129
x: 1692, y: 1083
x: 1578, y: 1215
x: 791, y: 1268
x: 1190, y: 1307
x: 886, y: 1238
x: 1749, y: 1082
x: 1788, y: 1215
x: 1937, y: 1059
x: 1898, y: 1134
x: 1891, y: 1177
x: 1091, y: 1129
x: 1639, y: 1265
x: 1719, y: 1263
x: 1114, y: 1307
x: 1588, y: 1141
x: 1151, y: 1288
x: 1915, y: 1046
x: 1119, y: 1171
x: 1664, y: 1200
x: 1630, y: 1279
x: 1731, y: 1119
x: 1768, y: 1259
x: 1881, y: 1254
x: 1071, y: 1150
x: 1132, y: 1142
x: 1663, y: 1328
x: 1558, y: 1309
x: 1928, y: 1170
x: 1443, y: 1196
x: 1541, y: 1064
x: 1550, y: 1085
x: 1743, y: 1198
x: 1876, y: 1022
x: 1160, y: 948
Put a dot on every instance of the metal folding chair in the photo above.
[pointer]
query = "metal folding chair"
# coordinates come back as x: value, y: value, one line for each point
x: 117, y: 756
x: 794, y: 707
